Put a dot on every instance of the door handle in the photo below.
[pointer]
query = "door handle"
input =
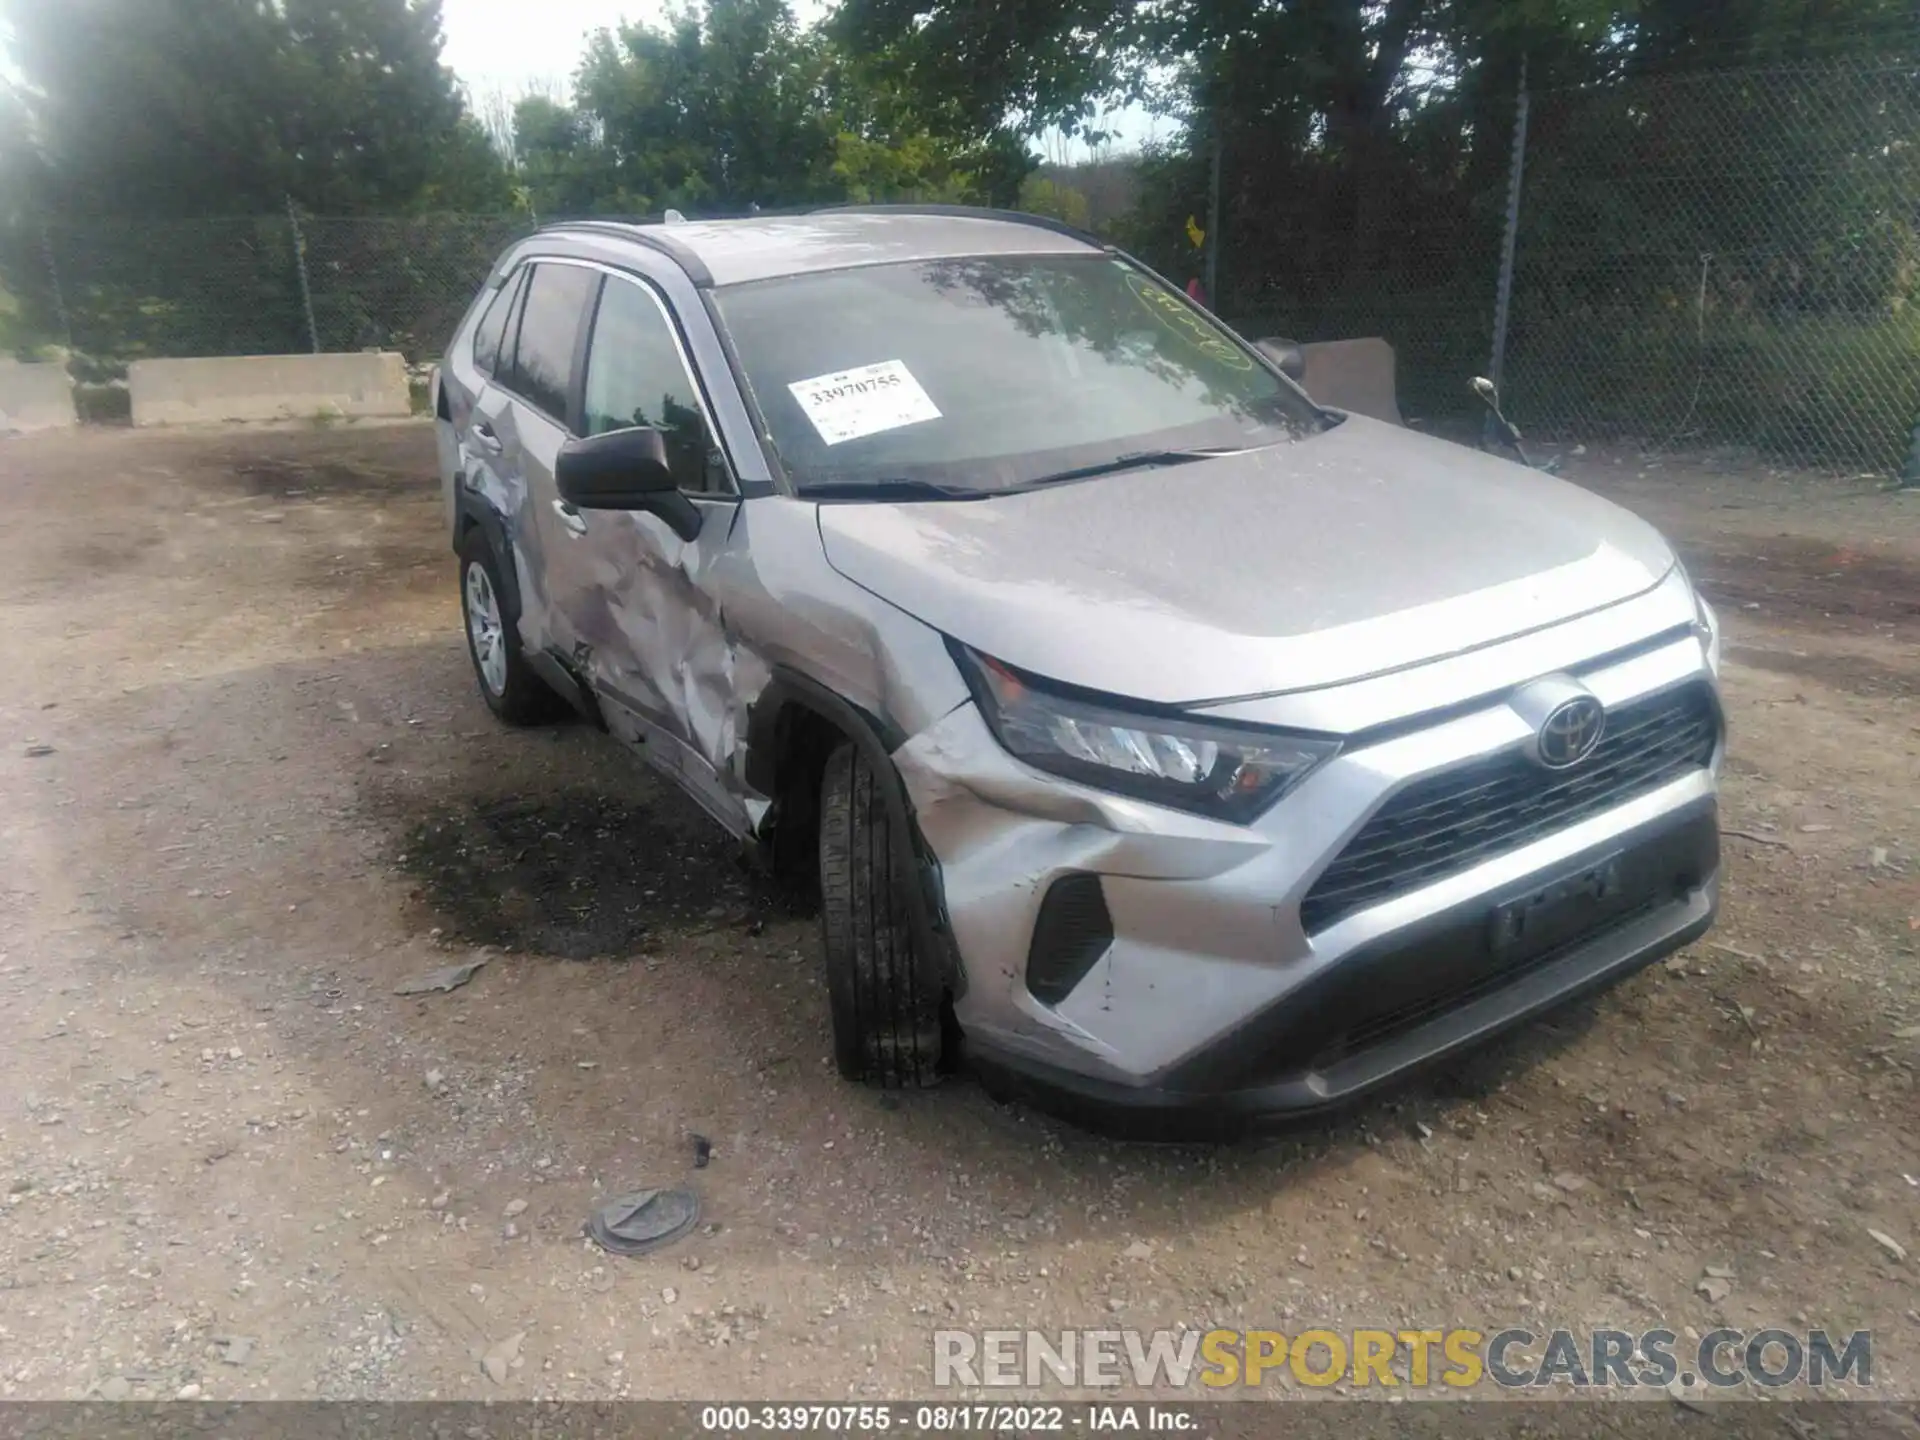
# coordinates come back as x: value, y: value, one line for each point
x: 570, y: 517
x: 489, y: 442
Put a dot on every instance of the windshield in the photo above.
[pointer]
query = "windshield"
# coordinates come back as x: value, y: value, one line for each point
x: 977, y: 375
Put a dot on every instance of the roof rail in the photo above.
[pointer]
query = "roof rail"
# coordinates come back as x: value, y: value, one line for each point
x: 649, y: 235
x: 971, y: 212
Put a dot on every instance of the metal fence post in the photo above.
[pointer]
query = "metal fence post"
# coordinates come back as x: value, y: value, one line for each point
x: 1213, y: 218
x: 53, y: 279
x: 300, y: 261
x: 1503, y: 300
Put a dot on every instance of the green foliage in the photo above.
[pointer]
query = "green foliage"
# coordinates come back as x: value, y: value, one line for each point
x: 722, y: 109
x: 1040, y: 195
x: 198, y: 107
x: 714, y: 110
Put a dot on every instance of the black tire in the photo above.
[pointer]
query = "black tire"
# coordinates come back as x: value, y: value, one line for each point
x: 886, y: 1014
x: 521, y: 697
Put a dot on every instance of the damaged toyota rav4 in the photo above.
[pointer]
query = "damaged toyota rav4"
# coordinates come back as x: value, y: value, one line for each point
x: 1186, y: 753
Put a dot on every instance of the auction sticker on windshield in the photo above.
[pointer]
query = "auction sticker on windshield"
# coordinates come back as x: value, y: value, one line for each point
x: 853, y: 403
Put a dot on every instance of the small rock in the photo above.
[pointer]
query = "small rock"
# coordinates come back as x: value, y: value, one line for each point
x: 1815, y: 829
x: 236, y: 1053
x: 234, y: 1349
x: 1907, y: 1032
x: 441, y: 1201
x: 35, y: 752
x: 669, y: 1295
x: 499, y: 1360
x: 1719, y: 1272
x: 1139, y: 1250
x: 1569, y: 1182
x: 115, y: 1387
x: 1887, y: 1243
x: 187, y: 1392
x: 516, y: 1207
x: 1514, y: 1272
x: 1714, y: 1288
x: 435, y: 1079
x: 450, y: 977
x: 510, y: 1231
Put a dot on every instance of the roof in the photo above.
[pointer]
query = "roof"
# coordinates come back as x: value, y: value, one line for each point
x: 761, y: 248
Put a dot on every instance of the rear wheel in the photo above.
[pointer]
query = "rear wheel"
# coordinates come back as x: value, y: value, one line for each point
x: 507, y: 683
x: 886, y: 1016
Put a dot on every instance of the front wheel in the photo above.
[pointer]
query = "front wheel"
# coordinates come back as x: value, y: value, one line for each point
x: 886, y: 1016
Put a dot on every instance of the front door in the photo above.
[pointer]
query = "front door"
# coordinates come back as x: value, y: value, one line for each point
x: 641, y: 604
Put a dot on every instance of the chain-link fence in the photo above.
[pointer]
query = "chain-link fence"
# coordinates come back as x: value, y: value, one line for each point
x: 121, y: 290
x: 1728, y: 258
x: 1725, y: 259
x: 1720, y: 259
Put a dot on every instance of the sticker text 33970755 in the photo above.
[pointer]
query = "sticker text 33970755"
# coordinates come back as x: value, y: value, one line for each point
x: 852, y: 403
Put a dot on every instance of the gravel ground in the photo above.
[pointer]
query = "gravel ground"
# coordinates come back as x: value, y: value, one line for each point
x: 246, y: 789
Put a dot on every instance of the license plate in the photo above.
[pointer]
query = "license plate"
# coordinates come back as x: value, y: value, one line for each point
x: 1557, y: 912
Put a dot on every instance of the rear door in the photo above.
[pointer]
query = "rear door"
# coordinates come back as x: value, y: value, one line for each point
x: 463, y: 376
x: 643, y: 605
x: 521, y: 420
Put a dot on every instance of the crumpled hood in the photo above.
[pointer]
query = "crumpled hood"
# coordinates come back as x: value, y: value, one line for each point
x: 1360, y: 550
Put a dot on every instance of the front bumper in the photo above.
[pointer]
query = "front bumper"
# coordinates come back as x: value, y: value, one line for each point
x: 1329, y: 1045
x: 1214, y: 1005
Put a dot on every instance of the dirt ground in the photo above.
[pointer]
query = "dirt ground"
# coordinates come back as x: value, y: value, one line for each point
x: 234, y: 1160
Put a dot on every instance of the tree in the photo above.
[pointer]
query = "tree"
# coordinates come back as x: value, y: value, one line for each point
x: 717, y: 109
x: 722, y: 109
x: 208, y: 107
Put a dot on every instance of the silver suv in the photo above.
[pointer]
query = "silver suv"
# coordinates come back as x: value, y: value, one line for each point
x: 1187, y: 752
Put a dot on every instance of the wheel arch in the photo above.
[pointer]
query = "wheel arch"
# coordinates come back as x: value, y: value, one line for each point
x: 471, y: 513
x: 792, y: 728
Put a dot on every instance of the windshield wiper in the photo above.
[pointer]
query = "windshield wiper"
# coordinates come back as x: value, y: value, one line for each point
x: 1132, y: 460
x: 889, y: 490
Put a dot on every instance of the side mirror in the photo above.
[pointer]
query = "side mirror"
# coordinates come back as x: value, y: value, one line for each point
x: 624, y: 470
x: 1286, y: 354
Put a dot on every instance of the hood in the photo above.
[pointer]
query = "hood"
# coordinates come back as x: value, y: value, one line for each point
x: 1363, y: 549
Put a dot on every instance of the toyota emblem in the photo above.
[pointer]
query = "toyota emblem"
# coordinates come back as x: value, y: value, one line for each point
x: 1570, y: 732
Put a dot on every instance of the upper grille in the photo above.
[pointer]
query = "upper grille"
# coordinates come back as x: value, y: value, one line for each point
x: 1449, y: 822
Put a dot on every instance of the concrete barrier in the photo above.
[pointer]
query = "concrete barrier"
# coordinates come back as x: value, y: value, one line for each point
x: 34, y: 397
x: 268, y: 387
x: 1356, y: 375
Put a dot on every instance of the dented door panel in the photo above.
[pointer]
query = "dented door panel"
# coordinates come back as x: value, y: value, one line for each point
x: 652, y: 637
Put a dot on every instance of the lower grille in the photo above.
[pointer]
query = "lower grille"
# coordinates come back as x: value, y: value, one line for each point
x: 1071, y: 932
x: 1447, y: 823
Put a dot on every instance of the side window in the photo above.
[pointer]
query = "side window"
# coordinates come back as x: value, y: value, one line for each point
x: 635, y: 377
x: 493, y: 324
x: 542, y: 371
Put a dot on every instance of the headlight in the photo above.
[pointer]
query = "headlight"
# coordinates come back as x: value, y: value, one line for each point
x: 1227, y: 772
